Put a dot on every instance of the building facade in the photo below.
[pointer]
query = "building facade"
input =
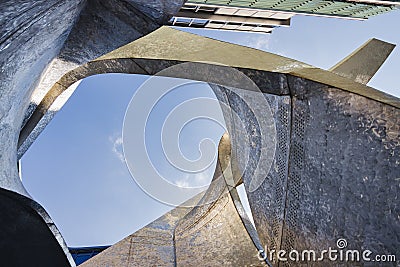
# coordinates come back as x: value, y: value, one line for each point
x: 263, y: 16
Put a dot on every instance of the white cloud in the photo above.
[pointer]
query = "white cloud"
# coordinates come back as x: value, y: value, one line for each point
x: 117, y: 147
x: 194, y: 180
x: 182, y: 183
x: 201, y: 178
x: 258, y: 41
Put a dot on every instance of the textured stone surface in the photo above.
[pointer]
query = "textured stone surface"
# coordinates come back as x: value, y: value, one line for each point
x: 101, y: 27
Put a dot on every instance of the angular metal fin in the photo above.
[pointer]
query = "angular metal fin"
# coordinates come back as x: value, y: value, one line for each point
x: 363, y: 63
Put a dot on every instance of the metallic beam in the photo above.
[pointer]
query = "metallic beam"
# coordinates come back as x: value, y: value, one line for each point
x: 158, y: 46
x: 363, y: 63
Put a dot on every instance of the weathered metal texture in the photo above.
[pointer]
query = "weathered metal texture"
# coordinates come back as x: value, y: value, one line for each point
x: 42, y: 40
x: 155, y: 52
x: 344, y: 169
x: 31, y: 35
x: 215, y: 236
x: 33, y: 38
x: 343, y: 149
x: 214, y: 232
x: 268, y: 201
x: 362, y: 64
x: 102, y: 26
x: 27, y: 26
x: 291, y: 202
x: 153, y: 245
x: 211, y: 229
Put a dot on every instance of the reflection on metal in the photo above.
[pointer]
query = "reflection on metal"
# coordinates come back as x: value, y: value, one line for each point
x: 363, y: 63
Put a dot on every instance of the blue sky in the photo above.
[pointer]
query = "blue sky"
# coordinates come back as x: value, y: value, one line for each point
x: 75, y: 168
